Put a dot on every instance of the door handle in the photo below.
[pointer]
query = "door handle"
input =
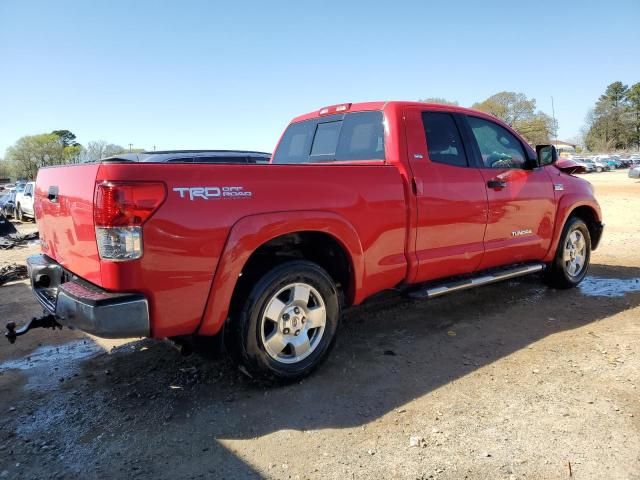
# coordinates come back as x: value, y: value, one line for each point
x: 53, y: 194
x: 496, y: 184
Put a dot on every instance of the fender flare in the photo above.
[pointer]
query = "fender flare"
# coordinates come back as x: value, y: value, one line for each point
x: 567, y: 205
x: 251, y: 232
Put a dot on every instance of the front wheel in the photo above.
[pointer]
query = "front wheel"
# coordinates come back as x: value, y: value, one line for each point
x: 572, y: 258
x: 288, y: 323
x: 19, y: 216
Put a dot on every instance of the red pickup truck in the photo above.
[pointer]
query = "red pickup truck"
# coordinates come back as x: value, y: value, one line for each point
x: 356, y: 199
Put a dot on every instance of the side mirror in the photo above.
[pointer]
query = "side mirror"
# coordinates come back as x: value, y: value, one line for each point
x: 547, y: 154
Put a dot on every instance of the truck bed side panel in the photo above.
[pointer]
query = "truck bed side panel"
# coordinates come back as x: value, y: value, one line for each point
x: 186, y: 236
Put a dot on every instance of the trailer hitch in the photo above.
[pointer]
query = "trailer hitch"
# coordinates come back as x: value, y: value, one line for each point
x: 46, y: 321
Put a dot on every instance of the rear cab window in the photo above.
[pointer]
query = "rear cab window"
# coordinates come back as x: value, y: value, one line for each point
x: 336, y: 138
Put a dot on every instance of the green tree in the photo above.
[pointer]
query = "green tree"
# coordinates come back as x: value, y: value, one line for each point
x: 538, y: 129
x: 633, y: 99
x: 34, y: 151
x: 609, y: 126
x: 66, y: 137
x: 441, y: 100
x: 5, y: 169
x: 519, y: 112
x: 616, y: 94
x: 510, y: 107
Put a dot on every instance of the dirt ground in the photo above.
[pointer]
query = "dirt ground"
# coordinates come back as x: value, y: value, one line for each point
x: 509, y: 381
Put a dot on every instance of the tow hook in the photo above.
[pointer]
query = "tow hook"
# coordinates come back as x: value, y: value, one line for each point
x: 46, y: 321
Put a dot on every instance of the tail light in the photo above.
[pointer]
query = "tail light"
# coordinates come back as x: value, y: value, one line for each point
x: 120, y: 210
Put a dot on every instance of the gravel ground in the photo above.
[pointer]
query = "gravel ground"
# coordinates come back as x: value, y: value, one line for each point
x: 509, y: 381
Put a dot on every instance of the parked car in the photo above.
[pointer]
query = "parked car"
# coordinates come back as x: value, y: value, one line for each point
x: 634, y: 172
x: 358, y: 198
x: 587, y: 166
x: 625, y: 162
x: 7, y: 207
x: 607, y: 163
x: 595, y: 166
x: 24, y: 202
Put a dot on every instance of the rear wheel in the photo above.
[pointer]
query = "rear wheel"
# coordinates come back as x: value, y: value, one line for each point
x: 288, y: 323
x: 572, y: 258
x: 19, y: 216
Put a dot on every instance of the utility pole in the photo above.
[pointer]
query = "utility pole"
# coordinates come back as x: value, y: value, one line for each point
x: 555, y: 125
x: 130, y: 147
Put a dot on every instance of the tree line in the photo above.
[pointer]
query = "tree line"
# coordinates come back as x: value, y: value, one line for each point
x: 24, y: 158
x: 614, y: 122
x: 517, y: 111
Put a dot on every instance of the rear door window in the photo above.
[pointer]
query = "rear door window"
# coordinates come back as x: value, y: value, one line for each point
x: 354, y: 136
x: 443, y: 139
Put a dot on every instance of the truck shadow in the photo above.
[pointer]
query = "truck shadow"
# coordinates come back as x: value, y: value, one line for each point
x: 390, y: 351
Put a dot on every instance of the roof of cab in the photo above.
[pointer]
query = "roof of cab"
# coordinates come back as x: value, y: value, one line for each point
x: 169, y: 155
x: 394, y: 104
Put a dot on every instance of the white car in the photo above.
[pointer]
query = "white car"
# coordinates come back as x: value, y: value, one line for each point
x: 24, y: 202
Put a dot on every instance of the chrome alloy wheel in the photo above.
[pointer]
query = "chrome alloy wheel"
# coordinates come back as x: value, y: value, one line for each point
x: 293, y: 323
x: 575, y: 249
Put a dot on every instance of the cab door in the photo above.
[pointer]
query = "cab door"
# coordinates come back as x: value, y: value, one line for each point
x: 450, y: 196
x: 521, y: 198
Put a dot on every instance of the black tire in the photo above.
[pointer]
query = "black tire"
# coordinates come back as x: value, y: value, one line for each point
x: 19, y: 216
x: 244, y: 336
x: 558, y: 273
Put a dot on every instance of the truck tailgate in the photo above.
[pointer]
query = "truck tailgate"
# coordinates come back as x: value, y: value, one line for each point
x: 64, y: 212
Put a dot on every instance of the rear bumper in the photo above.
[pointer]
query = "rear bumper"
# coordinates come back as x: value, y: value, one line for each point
x: 79, y: 304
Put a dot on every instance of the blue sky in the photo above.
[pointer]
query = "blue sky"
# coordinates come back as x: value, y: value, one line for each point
x: 206, y: 74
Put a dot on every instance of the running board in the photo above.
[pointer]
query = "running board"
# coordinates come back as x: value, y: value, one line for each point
x: 484, y: 278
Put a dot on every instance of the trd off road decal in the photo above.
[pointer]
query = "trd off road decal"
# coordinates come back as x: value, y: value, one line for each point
x: 212, y: 193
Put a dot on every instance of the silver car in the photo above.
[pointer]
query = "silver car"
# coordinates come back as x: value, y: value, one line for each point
x: 634, y: 172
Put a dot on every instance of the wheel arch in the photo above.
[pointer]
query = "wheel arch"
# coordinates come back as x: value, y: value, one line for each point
x: 586, y: 210
x: 258, y: 243
x: 590, y: 217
